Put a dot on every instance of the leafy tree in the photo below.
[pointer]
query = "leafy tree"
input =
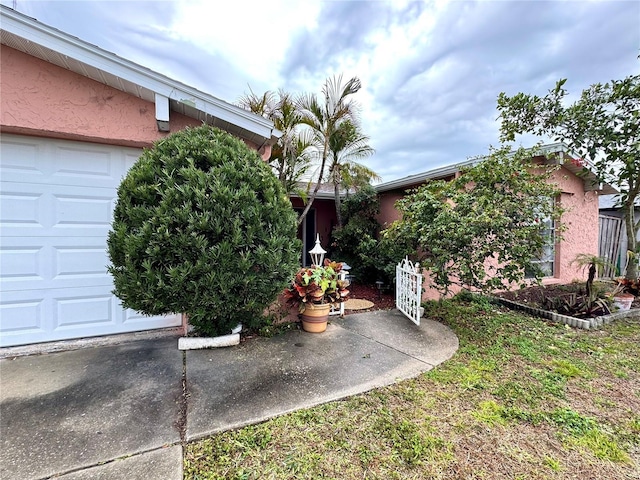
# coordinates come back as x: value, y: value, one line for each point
x: 603, y: 127
x: 484, y: 228
x: 347, y: 144
x: 202, y: 226
x: 323, y: 119
x: 293, y: 153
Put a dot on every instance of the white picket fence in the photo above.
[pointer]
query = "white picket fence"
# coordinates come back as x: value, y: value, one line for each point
x: 409, y: 289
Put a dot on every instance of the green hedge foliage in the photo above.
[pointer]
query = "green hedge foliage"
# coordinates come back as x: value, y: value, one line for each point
x: 360, y: 244
x: 203, y: 227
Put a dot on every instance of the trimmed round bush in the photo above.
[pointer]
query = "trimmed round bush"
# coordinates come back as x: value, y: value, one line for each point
x: 203, y: 227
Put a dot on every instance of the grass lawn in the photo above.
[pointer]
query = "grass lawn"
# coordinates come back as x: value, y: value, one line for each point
x: 522, y: 399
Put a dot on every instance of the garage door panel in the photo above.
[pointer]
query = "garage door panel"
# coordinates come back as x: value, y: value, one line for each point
x: 82, y: 210
x: 55, y: 210
x: 20, y: 160
x: 68, y: 163
x: 88, y: 307
x: 136, y: 321
x: 21, y: 263
x: 49, y: 315
x: 18, y: 208
x: 53, y: 262
x: 56, y: 206
x: 80, y: 263
x: 22, y: 315
x: 25, y: 264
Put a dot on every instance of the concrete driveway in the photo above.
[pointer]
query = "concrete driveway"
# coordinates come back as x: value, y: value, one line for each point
x: 124, y: 411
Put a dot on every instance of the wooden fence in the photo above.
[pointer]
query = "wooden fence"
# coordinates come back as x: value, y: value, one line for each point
x: 609, y: 243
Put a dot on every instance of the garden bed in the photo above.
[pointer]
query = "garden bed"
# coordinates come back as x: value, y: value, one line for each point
x: 534, y: 300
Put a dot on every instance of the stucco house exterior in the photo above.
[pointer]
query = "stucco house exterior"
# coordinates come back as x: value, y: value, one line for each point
x: 579, y: 196
x: 73, y: 119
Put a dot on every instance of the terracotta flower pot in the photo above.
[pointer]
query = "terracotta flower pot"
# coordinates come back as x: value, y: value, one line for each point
x: 315, y: 317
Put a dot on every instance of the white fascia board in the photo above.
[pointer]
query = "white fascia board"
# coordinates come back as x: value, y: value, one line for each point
x: 72, y: 47
x: 436, y: 173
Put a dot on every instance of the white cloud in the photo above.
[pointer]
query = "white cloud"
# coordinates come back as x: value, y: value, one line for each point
x: 251, y: 35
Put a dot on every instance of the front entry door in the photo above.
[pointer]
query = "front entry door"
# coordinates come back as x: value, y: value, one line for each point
x: 307, y: 233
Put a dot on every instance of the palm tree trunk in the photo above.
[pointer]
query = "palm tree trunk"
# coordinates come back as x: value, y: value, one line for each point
x: 315, y: 190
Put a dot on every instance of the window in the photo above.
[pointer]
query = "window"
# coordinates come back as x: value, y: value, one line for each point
x: 546, y: 261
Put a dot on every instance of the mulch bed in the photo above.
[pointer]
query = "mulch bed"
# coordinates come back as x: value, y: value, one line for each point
x: 381, y: 300
x: 535, y: 296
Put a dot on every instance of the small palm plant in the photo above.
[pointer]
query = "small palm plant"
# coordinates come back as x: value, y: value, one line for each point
x: 595, y: 299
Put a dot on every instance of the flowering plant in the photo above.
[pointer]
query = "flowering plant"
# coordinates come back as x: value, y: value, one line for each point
x: 317, y: 285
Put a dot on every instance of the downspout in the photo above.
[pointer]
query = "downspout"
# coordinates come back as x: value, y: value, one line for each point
x: 264, y: 150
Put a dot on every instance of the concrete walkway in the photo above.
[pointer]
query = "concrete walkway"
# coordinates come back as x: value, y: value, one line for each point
x: 120, y: 411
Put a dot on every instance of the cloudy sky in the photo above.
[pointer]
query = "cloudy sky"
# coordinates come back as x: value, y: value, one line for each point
x: 431, y: 70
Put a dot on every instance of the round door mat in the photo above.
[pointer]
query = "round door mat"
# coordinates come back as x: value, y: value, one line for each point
x: 357, y: 304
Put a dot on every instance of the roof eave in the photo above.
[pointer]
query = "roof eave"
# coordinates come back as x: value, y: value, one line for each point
x: 448, y: 170
x: 435, y: 174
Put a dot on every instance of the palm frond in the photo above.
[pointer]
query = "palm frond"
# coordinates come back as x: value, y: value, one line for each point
x: 260, y: 104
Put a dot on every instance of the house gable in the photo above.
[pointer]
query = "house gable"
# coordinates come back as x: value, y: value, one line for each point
x: 168, y: 97
x: 42, y: 99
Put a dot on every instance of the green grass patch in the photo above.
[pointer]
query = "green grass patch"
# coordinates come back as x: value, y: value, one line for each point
x: 490, y: 413
x: 508, y: 405
x: 570, y: 369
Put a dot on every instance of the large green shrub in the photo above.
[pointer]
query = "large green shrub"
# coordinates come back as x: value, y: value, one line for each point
x: 359, y: 243
x: 203, y: 227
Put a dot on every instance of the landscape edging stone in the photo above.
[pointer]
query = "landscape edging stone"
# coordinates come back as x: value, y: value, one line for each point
x: 586, y: 324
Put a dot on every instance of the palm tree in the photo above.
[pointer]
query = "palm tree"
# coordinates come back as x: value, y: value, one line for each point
x: 346, y: 145
x: 259, y: 104
x: 323, y: 118
x: 292, y: 155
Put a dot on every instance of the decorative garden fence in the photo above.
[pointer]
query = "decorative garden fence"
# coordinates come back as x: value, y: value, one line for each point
x: 409, y: 289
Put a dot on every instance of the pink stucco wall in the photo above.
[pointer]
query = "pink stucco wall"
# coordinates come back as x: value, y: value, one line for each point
x: 388, y: 212
x: 580, y: 222
x: 42, y: 99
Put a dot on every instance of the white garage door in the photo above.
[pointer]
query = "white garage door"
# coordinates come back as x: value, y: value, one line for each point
x: 56, y: 203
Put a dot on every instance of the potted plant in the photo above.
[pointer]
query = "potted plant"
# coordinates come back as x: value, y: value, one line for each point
x: 623, y: 295
x: 314, y: 290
